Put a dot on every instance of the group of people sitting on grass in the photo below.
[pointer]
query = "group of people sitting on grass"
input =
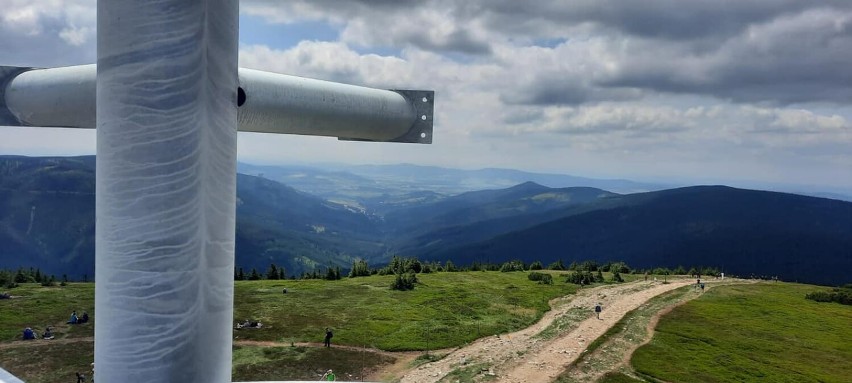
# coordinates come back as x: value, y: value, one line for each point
x: 78, y: 320
x: 30, y: 334
x: 249, y: 324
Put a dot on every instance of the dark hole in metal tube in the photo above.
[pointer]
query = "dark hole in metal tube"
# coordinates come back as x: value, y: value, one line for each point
x: 241, y: 96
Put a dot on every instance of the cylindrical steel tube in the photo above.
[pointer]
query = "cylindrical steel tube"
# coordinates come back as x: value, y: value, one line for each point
x: 276, y: 103
x: 270, y: 103
x: 54, y: 97
x: 165, y: 190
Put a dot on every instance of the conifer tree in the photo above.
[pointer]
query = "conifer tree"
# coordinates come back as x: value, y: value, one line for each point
x: 272, y: 272
x: 254, y: 275
x: 449, y: 266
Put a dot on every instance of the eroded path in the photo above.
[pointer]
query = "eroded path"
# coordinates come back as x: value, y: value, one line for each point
x: 529, y: 355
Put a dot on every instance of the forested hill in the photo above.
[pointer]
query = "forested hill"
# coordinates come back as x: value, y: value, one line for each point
x: 741, y: 231
x: 47, y: 221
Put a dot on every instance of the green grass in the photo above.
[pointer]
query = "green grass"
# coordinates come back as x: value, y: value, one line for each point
x: 617, y: 377
x: 37, y: 306
x: 764, y: 332
x: 49, y: 362
x: 302, y: 363
x: 563, y: 323
x: 468, y: 373
x: 444, y: 310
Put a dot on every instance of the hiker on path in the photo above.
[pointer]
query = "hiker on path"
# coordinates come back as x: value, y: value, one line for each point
x: 84, y: 318
x: 48, y: 333
x: 328, y: 335
x: 598, y: 310
x: 81, y: 378
x: 29, y: 334
x: 329, y: 376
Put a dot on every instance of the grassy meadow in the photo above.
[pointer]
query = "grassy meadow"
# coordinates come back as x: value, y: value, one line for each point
x: 37, y: 306
x: 762, y: 332
x: 755, y: 332
x: 444, y: 310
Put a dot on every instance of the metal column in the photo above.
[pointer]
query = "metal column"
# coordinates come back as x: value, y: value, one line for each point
x: 166, y: 178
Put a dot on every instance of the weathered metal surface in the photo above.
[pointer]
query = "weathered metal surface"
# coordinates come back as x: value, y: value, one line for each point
x: 269, y: 103
x: 165, y: 190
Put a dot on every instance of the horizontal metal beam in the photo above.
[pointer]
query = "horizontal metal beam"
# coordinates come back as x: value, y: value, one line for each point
x: 268, y: 103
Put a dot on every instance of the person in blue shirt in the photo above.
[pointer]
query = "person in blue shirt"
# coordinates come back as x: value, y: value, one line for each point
x: 73, y: 319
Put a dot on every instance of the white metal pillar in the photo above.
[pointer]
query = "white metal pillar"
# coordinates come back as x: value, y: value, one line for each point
x: 166, y: 185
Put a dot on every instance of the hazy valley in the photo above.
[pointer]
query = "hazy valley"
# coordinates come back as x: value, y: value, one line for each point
x: 304, y: 218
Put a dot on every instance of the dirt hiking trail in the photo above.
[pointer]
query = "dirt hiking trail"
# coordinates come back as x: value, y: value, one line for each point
x: 523, y: 357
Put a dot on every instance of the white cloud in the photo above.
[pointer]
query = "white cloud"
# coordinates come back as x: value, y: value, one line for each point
x: 593, y: 87
x: 76, y: 36
x: 47, y: 32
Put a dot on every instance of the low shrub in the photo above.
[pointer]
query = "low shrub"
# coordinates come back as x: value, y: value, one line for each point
x: 404, y: 281
x: 839, y: 295
x: 542, y: 278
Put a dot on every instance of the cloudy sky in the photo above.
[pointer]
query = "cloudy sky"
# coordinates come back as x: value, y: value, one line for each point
x: 702, y: 91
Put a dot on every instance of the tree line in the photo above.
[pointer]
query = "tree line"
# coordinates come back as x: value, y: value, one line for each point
x: 11, y: 278
x: 275, y: 272
x: 406, y: 269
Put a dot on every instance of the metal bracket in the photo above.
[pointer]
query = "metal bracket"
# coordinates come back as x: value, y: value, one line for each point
x: 423, y: 103
x: 7, y: 73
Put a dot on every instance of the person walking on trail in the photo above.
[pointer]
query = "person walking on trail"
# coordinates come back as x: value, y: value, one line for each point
x: 329, y: 376
x: 598, y: 310
x: 328, y: 335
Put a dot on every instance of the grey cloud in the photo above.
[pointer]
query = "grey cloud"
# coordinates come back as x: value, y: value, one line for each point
x: 706, y: 47
x: 684, y: 20
x: 516, y: 117
x: 459, y: 41
x: 664, y: 19
x: 381, y: 21
x: 795, y: 59
x: 550, y: 91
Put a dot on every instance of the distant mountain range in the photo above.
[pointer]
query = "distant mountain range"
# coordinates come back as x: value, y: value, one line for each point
x: 741, y: 231
x: 47, y: 221
x: 378, y: 187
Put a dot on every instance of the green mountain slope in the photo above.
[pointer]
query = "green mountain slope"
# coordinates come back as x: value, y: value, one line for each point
x: 475, y: 216
x: 277, y: 224
x: 47, y: 214
x: 742, y: 231
x: 47, y: 220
